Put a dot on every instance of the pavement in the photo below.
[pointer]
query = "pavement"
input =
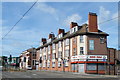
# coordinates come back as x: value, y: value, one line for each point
x: 43, y: 75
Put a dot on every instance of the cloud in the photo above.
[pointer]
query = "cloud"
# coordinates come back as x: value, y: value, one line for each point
x: 19, y: 40
x: 72, y: 18
x: 45, y: 8
x: 104, y: 14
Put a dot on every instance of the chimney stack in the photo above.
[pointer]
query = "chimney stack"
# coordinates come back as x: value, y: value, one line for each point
x: 73, y: 24
x: 43, y: 40
x: 51, y: 35
x: 92, y: 22
x: 60, y: 31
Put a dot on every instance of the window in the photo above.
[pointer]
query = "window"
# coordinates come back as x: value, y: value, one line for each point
x: 24, y: 59
x: 66, y: 62
x: 101, y: 67
x: 102, y: 39
x: 74, y: 29
x: 48, y: 64
x: 74, y: 51
x: 44, y: 57
x: 48, y: 48
x: 91, y: 67
x: 34, y: 55
x: 81, y: 39
x: 59, y: 44
x: 34, y: 62
x: 91, y: 44
x: 66, y: 53
x: 81, y: 51
x: 44, y: 64
x: 67, y: 42
x: 74, y: 40
x: 59, y: 63
x: 53, y: 64
x: 74, y: 67
x: 53, y: 56
x: 53, y: 46
x: 59, y: 54
x: 48, y: 56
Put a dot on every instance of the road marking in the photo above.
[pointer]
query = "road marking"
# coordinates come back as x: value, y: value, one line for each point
x: 33, y: 74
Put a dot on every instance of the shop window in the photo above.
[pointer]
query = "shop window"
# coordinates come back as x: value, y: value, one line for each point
x: 101, y: 66
x: 91, y: 67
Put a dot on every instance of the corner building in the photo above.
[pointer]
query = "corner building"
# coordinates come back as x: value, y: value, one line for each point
x: 83, y: 49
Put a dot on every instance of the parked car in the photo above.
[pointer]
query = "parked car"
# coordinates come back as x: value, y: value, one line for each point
x: 29, y: 68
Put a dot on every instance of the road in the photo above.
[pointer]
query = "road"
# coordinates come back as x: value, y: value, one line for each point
x: 43, y: 75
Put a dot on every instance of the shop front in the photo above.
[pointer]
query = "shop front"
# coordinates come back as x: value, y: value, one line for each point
x: 95, y: 64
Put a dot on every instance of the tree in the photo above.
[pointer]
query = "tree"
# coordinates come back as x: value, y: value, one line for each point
x: 10, y: 58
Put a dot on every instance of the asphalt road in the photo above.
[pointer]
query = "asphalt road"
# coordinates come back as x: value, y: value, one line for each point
x: 47, y: 75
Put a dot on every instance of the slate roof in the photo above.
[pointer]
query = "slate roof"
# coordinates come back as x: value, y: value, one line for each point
x: 82, y: 30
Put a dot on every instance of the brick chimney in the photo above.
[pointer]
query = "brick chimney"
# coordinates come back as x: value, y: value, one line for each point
x: 43, y: 40
x: 73, y: 24
x: 60, y: 31
x: 92, y: 22
x: 51, y: 35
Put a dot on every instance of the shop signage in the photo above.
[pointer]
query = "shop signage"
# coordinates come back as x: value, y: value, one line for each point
x: 82, y: 57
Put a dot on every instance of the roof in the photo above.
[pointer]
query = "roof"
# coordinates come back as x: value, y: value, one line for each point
x: 82, y: 30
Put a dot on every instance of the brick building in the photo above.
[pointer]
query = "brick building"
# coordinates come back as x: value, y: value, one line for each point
x: 28, y: 59
x: 83, y: 49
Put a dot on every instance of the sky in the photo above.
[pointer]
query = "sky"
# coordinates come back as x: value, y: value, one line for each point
x: 47, y: 17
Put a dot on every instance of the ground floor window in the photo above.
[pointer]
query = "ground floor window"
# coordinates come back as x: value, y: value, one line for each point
x: 44, y: 64
x: 66, y: 63
x: 48, y: 64
x: 74, y: 67
x: 101, y: 66
x: 91, y: 66
x: 34, y: 61
x: 53, y: 64
x: 59, y: 64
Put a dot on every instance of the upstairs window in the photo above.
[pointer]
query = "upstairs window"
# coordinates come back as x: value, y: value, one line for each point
x: 81, y: 39
x: 48, y: 48
x: 53, y: 56
x: 59, y: 54
x: 74, y: 51
x: 91, y: 44
x: 74, y: 29
x: 81, y: 51
x: 102, y: 39
x: 53, y: 46
x: 66, y: 53
x: 67, y: 42
x: 74, y: 40
x: 59, y: 44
